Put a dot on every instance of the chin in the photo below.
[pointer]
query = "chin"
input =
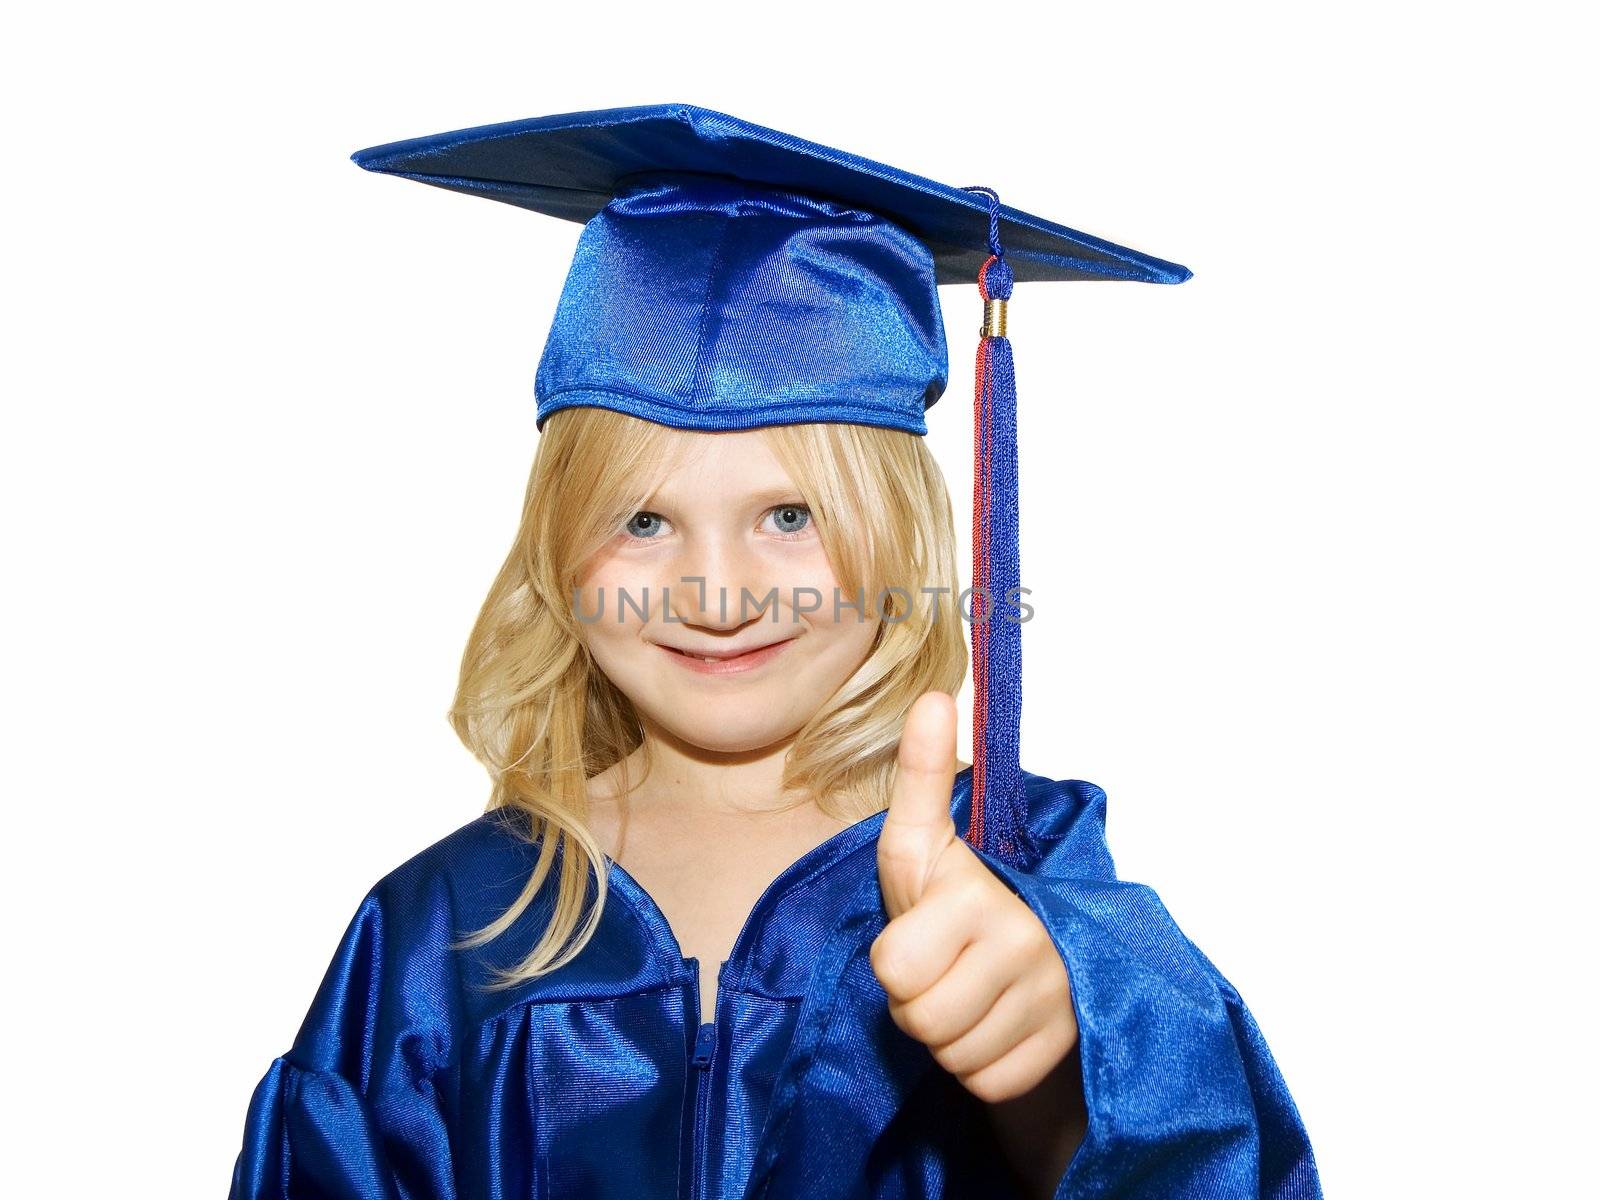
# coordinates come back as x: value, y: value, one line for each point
x: 739, y: 725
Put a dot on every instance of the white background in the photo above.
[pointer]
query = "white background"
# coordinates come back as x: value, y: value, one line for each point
x: 1311, y: 537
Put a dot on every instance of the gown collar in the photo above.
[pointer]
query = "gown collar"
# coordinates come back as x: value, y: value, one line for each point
x: 798, y: 908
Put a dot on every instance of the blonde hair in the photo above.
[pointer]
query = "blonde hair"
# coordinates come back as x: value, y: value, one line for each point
x: 536, y: 710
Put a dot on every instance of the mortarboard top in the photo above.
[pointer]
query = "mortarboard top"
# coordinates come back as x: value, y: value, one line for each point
x: 731, y: 276
x: 568, y: 166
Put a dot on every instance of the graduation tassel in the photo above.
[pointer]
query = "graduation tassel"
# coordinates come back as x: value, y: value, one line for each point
x: 998, y: 822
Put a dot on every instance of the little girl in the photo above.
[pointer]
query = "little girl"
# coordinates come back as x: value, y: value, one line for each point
x: 737, y: 922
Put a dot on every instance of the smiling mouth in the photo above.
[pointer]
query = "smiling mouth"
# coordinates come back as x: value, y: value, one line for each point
x: 728, y: 665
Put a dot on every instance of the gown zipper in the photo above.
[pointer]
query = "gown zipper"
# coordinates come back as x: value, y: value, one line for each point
x: 701, y: 1058
x: 701, y: 1048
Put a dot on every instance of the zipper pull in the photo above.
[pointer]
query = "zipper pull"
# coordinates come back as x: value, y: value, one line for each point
x: 705, y: 1041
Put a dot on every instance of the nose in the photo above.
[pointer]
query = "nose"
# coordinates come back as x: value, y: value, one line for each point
x: 709, y: 583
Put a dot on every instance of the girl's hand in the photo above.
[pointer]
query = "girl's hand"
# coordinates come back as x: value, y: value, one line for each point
x: 970, y: 970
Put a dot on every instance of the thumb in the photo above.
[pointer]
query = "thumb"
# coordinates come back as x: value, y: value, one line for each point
x: 917, y: 828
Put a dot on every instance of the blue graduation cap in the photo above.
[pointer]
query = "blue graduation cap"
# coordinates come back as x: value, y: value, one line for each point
x: 730, y: 276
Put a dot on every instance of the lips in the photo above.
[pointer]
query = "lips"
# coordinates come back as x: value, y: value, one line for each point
x: 726, y: 662
x: 718, y: 655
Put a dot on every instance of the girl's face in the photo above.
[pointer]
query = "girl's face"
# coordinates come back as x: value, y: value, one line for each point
x: 688, y: 575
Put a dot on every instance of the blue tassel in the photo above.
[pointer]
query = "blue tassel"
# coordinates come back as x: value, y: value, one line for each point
x: 999, y: 807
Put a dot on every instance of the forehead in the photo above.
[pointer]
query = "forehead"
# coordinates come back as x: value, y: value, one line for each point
x: 692, y: 464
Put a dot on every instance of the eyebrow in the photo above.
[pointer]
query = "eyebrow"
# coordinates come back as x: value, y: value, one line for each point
x: 773, y: 495
x: 770, y: 495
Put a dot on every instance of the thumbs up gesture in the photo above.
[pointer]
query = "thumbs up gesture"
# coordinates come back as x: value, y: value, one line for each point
x: 970, y: 971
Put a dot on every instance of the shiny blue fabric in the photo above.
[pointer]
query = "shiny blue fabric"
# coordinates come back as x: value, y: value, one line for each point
x: 570, y: 165
x: 709, y: 303
x: 602, y: 1079
x: 731, y: 276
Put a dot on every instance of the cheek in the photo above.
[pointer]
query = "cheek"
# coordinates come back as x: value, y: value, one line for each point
x: 810, y: 570
x: 844, y: 623
x: 849, y: 636
x: 603, y: 619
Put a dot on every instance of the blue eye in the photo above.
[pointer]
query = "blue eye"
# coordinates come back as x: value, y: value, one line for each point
x: 644, y: 524
x: 791, y: 518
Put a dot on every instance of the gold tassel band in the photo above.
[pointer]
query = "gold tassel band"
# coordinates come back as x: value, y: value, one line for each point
x: 994, y: 318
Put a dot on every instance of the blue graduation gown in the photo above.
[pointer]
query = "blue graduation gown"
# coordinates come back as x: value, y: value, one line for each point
x: 603, y: 1079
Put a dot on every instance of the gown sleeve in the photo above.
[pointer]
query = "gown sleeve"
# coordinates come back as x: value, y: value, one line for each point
x: 358, y: 1107
x: 1183, y: 1096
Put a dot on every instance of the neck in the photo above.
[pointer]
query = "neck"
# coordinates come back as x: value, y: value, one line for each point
x: 710, y: 783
